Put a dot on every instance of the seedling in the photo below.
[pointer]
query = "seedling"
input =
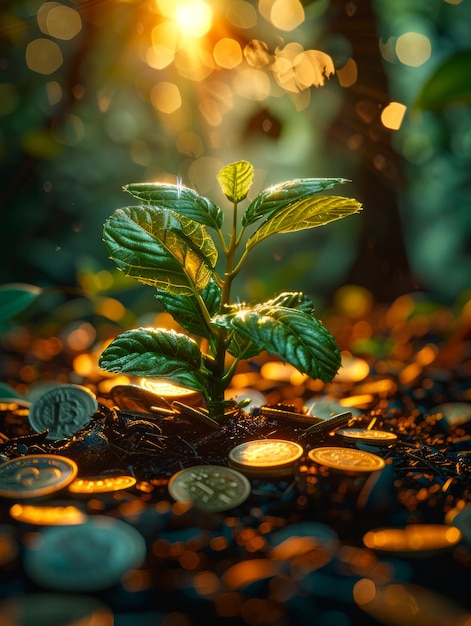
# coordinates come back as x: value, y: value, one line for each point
x: 172, y: 242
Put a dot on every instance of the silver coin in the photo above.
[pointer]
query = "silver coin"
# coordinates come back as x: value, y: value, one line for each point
x: 210, y: 487
x: 62, y: 410
x: 35, y: 475
x: 85, y: 557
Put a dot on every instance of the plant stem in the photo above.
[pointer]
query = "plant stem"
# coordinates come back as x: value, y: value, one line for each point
x: 218, y: 382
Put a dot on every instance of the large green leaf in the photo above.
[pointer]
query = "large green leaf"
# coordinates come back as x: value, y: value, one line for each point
x: 448, y: 84
x: 186, y: 309
x: 306, y: 213
x: 161, y: 249
x: 295, y: 336
x: 276, y: 198
x: 182, y: 200
x: 235, y: 180
x: 156, y: 353
x: 15, y: 297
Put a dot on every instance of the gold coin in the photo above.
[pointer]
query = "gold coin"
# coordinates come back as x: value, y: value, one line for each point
x: 35, y: 475
x: 414, y: 538
x: 265, y: 456
x: 169, y: 391
x: 47, y: 515
x: 346, y: 459
x: 376, y: 437
x: 210, y: 487
x: 101, y: 484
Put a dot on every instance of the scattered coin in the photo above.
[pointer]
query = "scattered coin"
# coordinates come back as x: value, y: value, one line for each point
x: 54, y: 609
x: 101, y: 484
x: 196, y: 414
x: 290, y: 416
x: 168, y: 391
x: 405, y: 604
x: 346, y: 459
x: 331, y: 424
x: 454, y: 413
x: 62, y: 410
x: 328, y: 407
x: 210, y: 487
x: 296, y: 541
x: 47, y: 515
x: 85, y: 557
x: 35, y: 476
x: 414, y: 539
x: 374, y: 437
x: 266, y: 456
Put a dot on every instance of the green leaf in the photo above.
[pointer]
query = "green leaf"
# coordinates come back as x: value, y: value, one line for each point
x: 292, y: 300
x: 156, y: 353
x: 306, y: 213
x: 277, y: 197
x: 295, y: 336
x: 235, y: 180
x: 449, y: 84
x: 186, y: 309
x: 15, y: 298
x: 181, y: 200
x: 161, y: 249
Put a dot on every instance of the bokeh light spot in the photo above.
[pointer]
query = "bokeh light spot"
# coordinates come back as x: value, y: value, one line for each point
x: 166, y: 97
x: 348, y: 74
x: 287, y: 14
x: 241, y: 14
x: 227, y: 53
x: 364, y: 591
x: 54, y: 92
x: 413, y: 49
x: 193, y: 17
x: 393, y: 114
x: 253, y: 84
x: 43, y: 56
x: 62, y: 22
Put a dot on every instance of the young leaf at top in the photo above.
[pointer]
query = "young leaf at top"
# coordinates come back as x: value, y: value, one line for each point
x: 304, y: 214
x: 235, y: 180
x: 277, y: 197
x: 186, y: 309
x: 156, y: 352
x: 161, y: 249
x: 181, y: 200
x: 295, y: 336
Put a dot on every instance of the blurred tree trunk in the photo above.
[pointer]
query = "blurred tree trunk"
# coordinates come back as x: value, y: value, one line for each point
x: 381, y: 264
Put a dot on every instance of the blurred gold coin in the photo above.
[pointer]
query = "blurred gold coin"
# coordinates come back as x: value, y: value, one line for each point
x: 210, y: 487
x: 47, y: 515
x: 101, y: 484
x: 346, y: 459
x: 415, y: 538
x: 170, y: 392
x: 265, y: 456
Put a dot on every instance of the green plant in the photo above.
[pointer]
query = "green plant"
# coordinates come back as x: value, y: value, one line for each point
x: 166, y: 243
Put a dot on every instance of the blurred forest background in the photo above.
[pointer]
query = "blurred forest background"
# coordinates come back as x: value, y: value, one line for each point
x: 95, y: 94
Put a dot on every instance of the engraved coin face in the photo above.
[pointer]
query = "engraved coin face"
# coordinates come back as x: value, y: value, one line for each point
x: 210, y: 487
x: 265, y: 455
x: 375, y: 437
x: 84, y: 557
x: 346, y: 459
x: 101, y: 484
x: 35, y: 475
x: 62, y: 410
